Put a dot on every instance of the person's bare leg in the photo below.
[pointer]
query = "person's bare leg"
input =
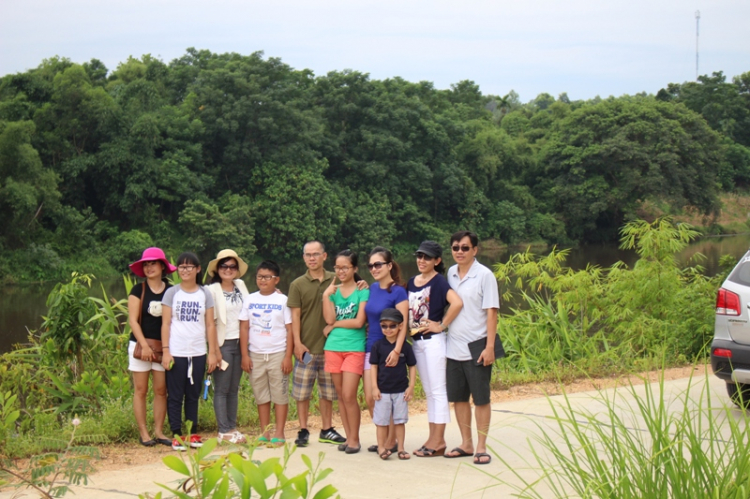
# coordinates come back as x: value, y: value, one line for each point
x: 367, y: 385
x: 482, y: 414
x: 264, y: 414
x: 303, y: 408
x: 390, y: 440
x: 348, y: 399
x: 338, y: 382
x: 399, y: 431
x: 326, y: 413
x: 463, y: 418
x: 281, y: 411
x: 382, y: 434
x: 160, y: 402
x: 140, y: 382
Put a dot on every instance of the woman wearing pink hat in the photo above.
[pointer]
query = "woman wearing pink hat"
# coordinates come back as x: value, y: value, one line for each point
x: 144, y: 317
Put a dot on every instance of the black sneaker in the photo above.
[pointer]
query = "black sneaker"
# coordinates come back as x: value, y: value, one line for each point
x: 303, y: 438
x: 331, y: 436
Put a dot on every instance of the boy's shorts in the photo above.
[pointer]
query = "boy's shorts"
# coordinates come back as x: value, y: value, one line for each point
x: 390, y: 405
x: 350, y: 362
x: 304, y: 376
x: 269, y: 382
x: 464, y: 378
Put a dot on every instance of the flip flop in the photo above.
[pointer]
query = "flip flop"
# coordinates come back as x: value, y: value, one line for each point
x: 373, y: 448
x: 149, y: 443
x: 278, y: 441
x: 478, y: 458
x: 385, y: 454
x: 263, y: 440
x: 460, y: 453
x: 403, y: 455
x: 427, y: 452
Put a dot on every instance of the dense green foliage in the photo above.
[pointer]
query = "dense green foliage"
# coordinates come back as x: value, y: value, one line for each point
x: 215, y: 150
x: 601, y: 321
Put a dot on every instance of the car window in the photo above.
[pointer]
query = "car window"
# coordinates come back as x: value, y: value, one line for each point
x: 741, y: 273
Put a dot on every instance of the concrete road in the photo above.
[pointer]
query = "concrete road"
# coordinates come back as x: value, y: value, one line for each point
x: 364, y: 475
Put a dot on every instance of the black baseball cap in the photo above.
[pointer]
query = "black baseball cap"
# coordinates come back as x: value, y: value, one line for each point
x: 391, y: 314
x: 430, y: 248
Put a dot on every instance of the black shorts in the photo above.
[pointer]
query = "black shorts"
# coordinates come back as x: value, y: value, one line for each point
x: 464, y: 378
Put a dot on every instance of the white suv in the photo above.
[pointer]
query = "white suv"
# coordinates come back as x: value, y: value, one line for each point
x: 730, y: 349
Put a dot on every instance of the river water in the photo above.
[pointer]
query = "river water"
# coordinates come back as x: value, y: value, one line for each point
x: 22, y: 306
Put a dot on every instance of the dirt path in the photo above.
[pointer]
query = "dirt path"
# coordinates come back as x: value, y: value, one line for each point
x: 120, y: 456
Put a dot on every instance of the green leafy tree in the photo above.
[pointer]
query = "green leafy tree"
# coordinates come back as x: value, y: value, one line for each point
x: 212, y: 227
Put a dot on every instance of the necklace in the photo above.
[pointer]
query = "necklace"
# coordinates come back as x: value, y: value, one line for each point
x: 161, y: 288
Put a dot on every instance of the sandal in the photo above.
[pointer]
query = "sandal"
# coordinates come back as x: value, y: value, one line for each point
x: 385, y: 454
x: 262, y: 440
x: 480, y: 455
x: 459, y: 453
x: 427, y: 452
x: 403, y: 455
x: 147, y: 443
x: 278, y: 442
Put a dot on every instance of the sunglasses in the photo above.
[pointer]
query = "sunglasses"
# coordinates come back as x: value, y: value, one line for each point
x: 376, y: 265
x: 456, y: 248
x: 422, y: 256
x: 228, y: 267
x: 388, y: 326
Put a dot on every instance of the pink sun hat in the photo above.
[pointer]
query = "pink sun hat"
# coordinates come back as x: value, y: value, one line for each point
x: 150, y: 255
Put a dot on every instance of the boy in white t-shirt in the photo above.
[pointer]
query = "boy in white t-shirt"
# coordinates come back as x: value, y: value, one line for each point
x: 267, y: 346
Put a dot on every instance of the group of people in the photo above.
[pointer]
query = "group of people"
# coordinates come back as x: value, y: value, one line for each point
x: 339, y: 331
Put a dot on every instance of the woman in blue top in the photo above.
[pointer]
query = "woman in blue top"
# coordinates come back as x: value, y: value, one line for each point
x: 388, y: 291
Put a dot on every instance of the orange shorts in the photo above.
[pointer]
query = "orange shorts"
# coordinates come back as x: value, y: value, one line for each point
x: 351, y: 362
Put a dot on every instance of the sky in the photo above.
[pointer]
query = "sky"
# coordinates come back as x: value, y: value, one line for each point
x: 583, y: 47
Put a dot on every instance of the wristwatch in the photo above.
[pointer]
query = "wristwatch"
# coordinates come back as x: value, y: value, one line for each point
x: 443, y: 326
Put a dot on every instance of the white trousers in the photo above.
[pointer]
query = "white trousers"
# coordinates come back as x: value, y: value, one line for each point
x: 431, y: 362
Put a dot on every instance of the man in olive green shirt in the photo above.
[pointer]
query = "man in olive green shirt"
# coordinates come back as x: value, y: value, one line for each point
x: 306, y: 303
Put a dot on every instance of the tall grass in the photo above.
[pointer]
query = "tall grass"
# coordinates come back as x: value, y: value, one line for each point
x: 639, y: 446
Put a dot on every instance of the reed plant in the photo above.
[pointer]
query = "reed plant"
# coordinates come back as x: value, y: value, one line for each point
x: 643, y: 443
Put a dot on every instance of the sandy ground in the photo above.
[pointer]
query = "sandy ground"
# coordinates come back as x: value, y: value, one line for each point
x: 122, y: 456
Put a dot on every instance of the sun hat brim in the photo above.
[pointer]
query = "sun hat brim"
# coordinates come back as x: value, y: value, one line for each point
x: 226, y: 253
x: 151, y: 255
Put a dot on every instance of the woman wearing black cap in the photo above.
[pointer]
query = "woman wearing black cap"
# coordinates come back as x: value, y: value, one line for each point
x: 432, y: 307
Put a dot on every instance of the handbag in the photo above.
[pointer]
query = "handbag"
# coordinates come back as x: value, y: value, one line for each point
x: 155, y: 345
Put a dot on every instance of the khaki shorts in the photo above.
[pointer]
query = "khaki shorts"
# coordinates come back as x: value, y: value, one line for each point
x: 269, y: 382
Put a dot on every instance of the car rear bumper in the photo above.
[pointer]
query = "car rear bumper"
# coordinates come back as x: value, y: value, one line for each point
x: 739, y: 363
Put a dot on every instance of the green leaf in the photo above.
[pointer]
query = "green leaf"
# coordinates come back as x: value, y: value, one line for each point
x: 176, y: 464
x: 326, y: 492
x: 206, y: 449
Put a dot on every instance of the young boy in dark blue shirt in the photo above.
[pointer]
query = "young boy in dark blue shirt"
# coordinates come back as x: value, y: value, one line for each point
x: 392, y: 388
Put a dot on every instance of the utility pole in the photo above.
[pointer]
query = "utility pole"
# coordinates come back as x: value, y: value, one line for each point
x: 697, y: 22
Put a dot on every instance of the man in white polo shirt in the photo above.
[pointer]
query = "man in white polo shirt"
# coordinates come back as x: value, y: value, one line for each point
x: 477, y: 287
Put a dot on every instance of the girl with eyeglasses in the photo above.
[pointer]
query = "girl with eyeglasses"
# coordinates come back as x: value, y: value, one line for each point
x: 187, y: 325
x: 344, y: 312
x: 433, y: 305
x: 228, y: 291
x: 388, y: 291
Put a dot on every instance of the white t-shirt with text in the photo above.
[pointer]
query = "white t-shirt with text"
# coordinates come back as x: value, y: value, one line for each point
x: 268, y: 316
x: 187, y: 333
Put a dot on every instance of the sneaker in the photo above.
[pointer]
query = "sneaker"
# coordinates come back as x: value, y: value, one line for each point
x: 176, y: 445
x: 303, y: 438
x: 331, y: 436
x: 196, y: 441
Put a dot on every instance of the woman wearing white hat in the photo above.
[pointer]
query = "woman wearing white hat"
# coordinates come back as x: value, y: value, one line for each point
x: 228, y: 291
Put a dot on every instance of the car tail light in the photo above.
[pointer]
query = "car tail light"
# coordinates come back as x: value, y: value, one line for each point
x: 723, y: 352
x: 727, y: 303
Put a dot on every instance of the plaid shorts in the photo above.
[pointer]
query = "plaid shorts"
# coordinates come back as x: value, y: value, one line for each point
x: 304, y: 375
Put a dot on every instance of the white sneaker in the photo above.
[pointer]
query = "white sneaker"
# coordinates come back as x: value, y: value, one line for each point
x: 234, y: 437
